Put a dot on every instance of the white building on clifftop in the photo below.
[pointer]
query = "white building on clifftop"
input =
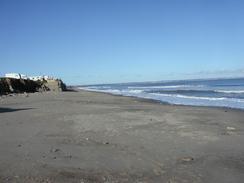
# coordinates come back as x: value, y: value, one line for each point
x: 16, y: 76
x: 33, y: 78
x: 36, y: 78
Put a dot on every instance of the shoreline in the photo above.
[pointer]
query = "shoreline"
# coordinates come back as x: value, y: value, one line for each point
x: 164, y: 103
x: 90, y: 137
x: 120, y: 95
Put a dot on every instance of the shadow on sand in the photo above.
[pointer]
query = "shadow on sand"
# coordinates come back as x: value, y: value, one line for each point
x: 4, y: 109
x: 70, y: 89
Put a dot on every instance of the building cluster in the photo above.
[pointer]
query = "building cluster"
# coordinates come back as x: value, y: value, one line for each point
x: 33, y: 78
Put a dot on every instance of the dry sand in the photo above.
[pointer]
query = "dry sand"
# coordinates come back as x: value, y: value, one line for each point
x: 94, y: 137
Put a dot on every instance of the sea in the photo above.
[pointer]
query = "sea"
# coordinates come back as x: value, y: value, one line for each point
x: 202, y: 92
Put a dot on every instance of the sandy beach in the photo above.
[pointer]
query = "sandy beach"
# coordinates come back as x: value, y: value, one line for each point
x: 95, y: 137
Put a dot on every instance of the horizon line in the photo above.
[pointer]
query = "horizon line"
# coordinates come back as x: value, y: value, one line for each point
x: 171, y: 80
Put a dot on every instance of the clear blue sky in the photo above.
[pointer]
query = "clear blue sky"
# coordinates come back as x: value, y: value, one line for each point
x: 108, y: 41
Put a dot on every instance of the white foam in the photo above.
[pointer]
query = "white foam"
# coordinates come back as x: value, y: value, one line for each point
x: 170, y: 86
x: 133, y: 91
x: 177, y: 98
x: 199, y: 98
x: 230, y: 91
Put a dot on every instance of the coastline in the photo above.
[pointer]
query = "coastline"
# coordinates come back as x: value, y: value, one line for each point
x: 162, y: 102
x: 86, y: 136
x: 218, y: 93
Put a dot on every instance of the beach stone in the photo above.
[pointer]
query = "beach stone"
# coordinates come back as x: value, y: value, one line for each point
x: 186, y: 159
x: 26, y: 94
x: 68, y: 156
x: 230, y: 128
x: 55, y: 150
x: 156, y: 172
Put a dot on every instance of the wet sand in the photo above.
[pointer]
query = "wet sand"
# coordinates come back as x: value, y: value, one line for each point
x: 95, y: 137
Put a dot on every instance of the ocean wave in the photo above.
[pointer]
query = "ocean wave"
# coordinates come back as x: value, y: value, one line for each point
x: 180, y: 91
x: 113, y: 91
x: 230, y: 91
x: 133, y: 91
x: 193, y: 97
x: 177, y: 98
x: 99, y: 87
x: 98, y: 90
x: 201, y: 93
x: 169, y: 86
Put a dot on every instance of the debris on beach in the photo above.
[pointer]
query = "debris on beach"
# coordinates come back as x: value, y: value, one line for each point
x: 230, y: 128
x: 68, y: 156
x: 186, y: 159
x: 26, y: 94
x: 55, y: 150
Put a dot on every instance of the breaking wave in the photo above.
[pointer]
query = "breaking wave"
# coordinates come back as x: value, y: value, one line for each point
x: 222, y: 92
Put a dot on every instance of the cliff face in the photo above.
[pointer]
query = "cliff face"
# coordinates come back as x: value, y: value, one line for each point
x: 10, y: 85
x: 52, y: 85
